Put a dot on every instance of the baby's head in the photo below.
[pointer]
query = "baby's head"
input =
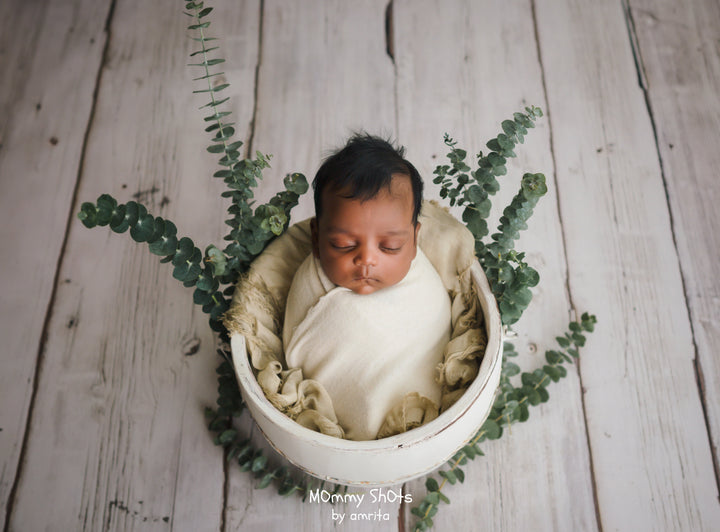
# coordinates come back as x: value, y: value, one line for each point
x: 367, y: 202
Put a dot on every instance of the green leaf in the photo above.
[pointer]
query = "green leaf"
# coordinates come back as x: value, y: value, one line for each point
x: 259, y: 463
x: 552, y: 372
x: 509, y: 127
x: 216, y: 148
x: 118, y: 223
x: 553, y: 357
x: 158, y: 230
x: 496, y: 160
x: 474, y: 221
x: 277, y: 223
x: 522, y: 414
x: 533, y: 396
x: 266, y: 480
x: 105, y: 206
x: 217, y: 116
x: 296, y: 183
x: 510, y: 369
x: 529, y: 379
x: 227, y: 436
x: 133, y: 211
x: 217, y: 260
x: 143, y: 229
x: 184, y: 250
x: 578, y: 339
x: 88, y: 214
x: 494, y: 145
x: 205, y: 51
x: 533, y: 185
x: 448, y: 475
x: 431, y: 484
x: 165, y: 245
x: 492, y: 430
x: 188, y: 270
x: 544, y: 395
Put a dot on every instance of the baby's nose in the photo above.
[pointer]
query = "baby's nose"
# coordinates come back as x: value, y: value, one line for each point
x: 365, y: 257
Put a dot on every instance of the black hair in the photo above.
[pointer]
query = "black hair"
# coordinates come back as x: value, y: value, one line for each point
x: 363, y: 167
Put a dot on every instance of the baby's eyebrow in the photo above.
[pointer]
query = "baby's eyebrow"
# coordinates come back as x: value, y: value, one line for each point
x: 333, y: 229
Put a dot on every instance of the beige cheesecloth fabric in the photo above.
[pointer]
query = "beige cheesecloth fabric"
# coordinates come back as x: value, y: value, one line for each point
x: 258, y: 308
x: 368, y: 351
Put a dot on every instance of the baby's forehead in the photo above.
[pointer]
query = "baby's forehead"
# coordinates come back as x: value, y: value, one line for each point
x: 398, y: 188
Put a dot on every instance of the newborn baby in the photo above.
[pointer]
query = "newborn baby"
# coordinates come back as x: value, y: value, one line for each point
x: 367, y: 315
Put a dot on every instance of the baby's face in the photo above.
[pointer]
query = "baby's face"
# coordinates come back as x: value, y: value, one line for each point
x: 367, y: 245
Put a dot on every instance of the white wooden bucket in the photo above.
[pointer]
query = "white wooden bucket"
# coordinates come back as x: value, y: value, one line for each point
x: 390, y: 460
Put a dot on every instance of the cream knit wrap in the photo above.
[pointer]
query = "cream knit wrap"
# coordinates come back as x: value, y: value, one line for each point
x: 370, y: 352
x: 258, y: 310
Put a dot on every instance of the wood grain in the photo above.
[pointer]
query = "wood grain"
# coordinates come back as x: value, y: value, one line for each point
x: 118, y: 438
x: 50, y: 54
x: 681, y: 64
x: 324, y: 74
x: 652, y: 462
x: 478, y: 66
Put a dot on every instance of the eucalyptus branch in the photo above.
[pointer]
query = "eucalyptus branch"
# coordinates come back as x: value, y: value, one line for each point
x: 190, y: 267
x: 511, y: 405
x: 509, y: 276
x: 455, y: 183
x: 511, y: 284
x: 250, y: 230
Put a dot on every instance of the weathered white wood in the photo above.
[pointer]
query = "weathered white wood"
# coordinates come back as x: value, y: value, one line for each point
x: 679, y: 55
x: 118, y: 438
x: 463, y: 67
x: 324, y: 72
x: 49, y: 57
x: 650, y: 450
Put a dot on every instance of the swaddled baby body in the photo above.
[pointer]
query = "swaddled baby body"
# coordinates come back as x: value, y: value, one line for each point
x: 367, y: 316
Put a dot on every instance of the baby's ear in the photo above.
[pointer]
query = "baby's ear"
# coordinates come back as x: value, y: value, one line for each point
x: 314, y: 237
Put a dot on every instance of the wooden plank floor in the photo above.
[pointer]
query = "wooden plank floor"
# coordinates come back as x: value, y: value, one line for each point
x: 106, y: 366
